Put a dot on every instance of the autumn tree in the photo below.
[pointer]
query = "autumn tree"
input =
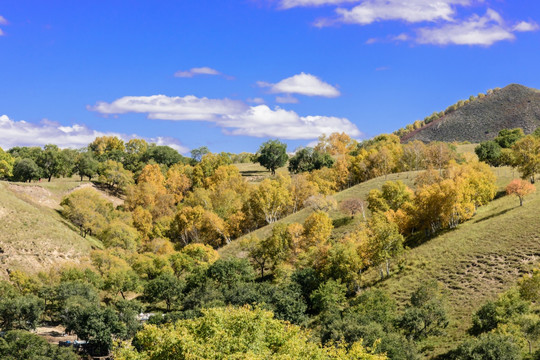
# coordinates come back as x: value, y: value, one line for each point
x: 353, y: 206
x: 113, y: 174
x: 271, y: 199
x: 317, y: 229
x: 336, y: 144
x: 272, y: 155
x: 413, y: 155
x: 520, y: 188
x: 301, y: 189
x: 526, y: 154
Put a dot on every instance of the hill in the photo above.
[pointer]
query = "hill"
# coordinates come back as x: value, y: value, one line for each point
x: 480, y: 120
x: 475, y: 262
x: 33, y: 235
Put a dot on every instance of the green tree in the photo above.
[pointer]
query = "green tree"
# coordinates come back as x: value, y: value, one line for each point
x: 20, y: 312
x: 508, y: 137
x: 489, y: 152
x: 17, y: 345
x: 26, y: 170
x: 490, y: 346
x: 6, y: 164
x: 272, y: 155
x: 50, y: 161
x: 308, y: 159
x: 86, y: 165
x: 166, y: 287
x: 426, y: 315
x: 197, y: 154
x: 162, y: 154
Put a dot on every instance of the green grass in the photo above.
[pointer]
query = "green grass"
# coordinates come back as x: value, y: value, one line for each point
x: 254, y: 172
x: 34, y: 236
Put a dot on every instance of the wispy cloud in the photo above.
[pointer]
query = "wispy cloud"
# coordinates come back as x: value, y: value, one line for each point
x: 410, y: 11
x: 200, y: 71
x: 234, y: 117
x: 3, y: 21
x: 477, y: 30
x: 22, y: 133
x: 287, y: 99
x: 288, y: 4
x: 303, y: 84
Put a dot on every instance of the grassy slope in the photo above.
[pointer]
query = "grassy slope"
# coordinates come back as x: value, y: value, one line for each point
x: 358, y: 191
x: 33, y: 235
x: 475, y: 262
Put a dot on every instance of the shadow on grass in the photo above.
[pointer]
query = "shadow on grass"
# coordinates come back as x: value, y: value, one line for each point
x: 494, y: 215
x: 254, y: 172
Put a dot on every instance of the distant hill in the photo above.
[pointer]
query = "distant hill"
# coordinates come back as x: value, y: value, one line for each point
x: 480, y: 120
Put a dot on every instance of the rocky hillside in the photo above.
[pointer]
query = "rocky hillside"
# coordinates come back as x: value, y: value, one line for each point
x: 511, y: 107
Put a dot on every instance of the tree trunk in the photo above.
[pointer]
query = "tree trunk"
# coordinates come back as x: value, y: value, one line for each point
x: 50, y: 177
x: 388, y: 267
x: 520, y: 201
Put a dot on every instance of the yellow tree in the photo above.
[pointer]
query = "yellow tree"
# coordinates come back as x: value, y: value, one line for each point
x: 336, y: 144
x: 317, y: 229
x: 6, y: 164
x: 178, y: 182
x: 526, y: 155
x: 413, y: 156
x: 105, y: 144
x: 271, y: 199
x: 301, y: 189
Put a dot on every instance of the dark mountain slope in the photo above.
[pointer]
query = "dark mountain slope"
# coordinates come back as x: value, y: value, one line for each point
x: 511, y: 107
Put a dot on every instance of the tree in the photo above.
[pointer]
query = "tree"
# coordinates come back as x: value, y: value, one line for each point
x: 166, y: 287
x: 308, y: 159
x: 520, y: 188
x: 426, y: 315
x: 527, y: 156
x: 6, y: 164
x: 489, y: 152
x: 96, y: 324
x: 508, y: 137
x: 26, y: 170
x: 317, y: 229
x: 162, y: 154
x: 197, y: 154
x: 491, y: 346
x: 353, y: 206
x: 272, y: 155
x: 270, y: 200
x: 114, y: 175
x: 234, y: 333
x: 18, y: 344
x: 86, y: 165
x: 20, y: 312
x: 50, y: 161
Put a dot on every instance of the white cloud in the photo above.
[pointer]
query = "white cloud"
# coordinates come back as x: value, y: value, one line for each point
x: 234, y: 117
x: 287, y: 99
x: 411, y: 11
x: 303, y: 84
x: 22, y: 133
x: 256, y: 100
x: 172, y: 108
x: 261, y: 121
x: 477, y: 30
x: 196, y: 71
x: 288, y: 4
x: 526, y: 26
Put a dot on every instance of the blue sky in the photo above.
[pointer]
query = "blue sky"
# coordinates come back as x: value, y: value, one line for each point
x: 232, y: 74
